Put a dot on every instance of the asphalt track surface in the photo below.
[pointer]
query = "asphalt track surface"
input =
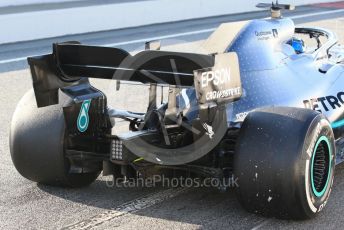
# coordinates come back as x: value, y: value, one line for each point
x: 24, y: 204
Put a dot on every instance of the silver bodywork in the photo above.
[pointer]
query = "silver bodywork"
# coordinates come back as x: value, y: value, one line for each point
x: 272, y: 74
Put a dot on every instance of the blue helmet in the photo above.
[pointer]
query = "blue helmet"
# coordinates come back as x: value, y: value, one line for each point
x: 297, y: 44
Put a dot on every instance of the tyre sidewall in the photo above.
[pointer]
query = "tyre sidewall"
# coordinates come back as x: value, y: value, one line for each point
x: 320, y: 127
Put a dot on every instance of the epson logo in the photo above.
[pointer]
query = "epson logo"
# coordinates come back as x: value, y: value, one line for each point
x: 217, y: 77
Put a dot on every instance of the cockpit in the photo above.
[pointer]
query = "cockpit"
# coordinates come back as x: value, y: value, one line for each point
x: 264, y: 44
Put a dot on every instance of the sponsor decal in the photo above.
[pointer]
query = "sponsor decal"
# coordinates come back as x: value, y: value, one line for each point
x: 266, y: 35
x: 217, y: 77
x: 325, y: 104
x: 221, y: 83
x: 83, y: 118
x: 241, y: 116
x: 209, y: 130
x: 263, y: 33
x: 213, y: 95
x: 275, y: 33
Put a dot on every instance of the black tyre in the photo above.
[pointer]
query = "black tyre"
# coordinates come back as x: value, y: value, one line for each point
x: 37, y: 144
x: 285, y: 161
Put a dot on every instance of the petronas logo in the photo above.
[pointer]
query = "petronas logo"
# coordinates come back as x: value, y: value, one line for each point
x: 83, y: 118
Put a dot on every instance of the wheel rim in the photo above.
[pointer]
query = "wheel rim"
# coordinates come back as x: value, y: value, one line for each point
x: 321, y: 166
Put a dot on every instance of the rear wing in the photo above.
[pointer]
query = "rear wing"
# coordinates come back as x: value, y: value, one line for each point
x: 72, y: 64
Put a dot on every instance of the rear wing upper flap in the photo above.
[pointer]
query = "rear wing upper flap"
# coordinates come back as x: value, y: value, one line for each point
x: 72, y: 64
x: 113, y: 63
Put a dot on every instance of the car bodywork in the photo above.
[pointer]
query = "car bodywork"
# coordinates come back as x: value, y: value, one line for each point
x: 242, y: 66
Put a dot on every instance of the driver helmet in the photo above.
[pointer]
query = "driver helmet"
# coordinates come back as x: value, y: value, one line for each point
x: 297, y: 44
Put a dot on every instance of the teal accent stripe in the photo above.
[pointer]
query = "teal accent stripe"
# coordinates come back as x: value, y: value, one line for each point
x: 315, y: 192
x: 337, y: 124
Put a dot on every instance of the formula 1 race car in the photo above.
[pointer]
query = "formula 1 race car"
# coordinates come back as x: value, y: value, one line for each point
x: 262, y: 101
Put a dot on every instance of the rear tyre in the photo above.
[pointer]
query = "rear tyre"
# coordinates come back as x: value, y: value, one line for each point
x: 37, y: 144
x: 285, y: 161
